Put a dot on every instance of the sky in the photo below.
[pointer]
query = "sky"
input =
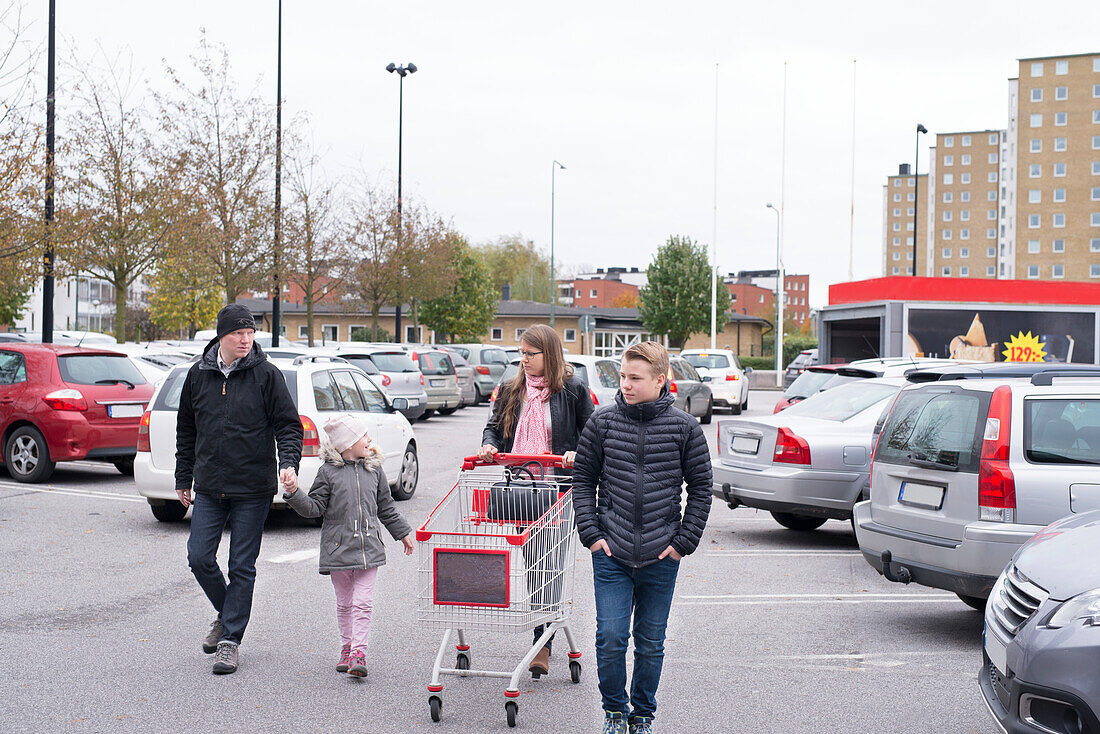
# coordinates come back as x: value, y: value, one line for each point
x: 624, y: 95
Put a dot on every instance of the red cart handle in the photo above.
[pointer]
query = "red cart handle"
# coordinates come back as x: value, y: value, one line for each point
x: 546, y: 460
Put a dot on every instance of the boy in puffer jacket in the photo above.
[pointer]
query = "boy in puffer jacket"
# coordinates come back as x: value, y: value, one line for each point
x: 352, y: 495
x: 639, y: 452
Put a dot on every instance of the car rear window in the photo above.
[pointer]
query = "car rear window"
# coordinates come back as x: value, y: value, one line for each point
x: 461, y: 350
x: 436, y: 363
x: 364, y: 363
x: 807, y: 384
x: 581, y: 372
x: 393, y: 362
x: 842, y: 403
x: 98, y: 369
x: 494, y: 356
x: 939, y: 426
x: 1062, y: 431
x: 710, y: 361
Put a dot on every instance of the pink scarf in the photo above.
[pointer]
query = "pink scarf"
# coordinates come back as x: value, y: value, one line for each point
x: 531, y: 427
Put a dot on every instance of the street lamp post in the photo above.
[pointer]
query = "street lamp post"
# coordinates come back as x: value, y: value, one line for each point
x: 779, y: 293
x: 916, y: 194
x: 48, y: 254
x: 401, y: 71
x: 277, y: 295
x: 553, y: 281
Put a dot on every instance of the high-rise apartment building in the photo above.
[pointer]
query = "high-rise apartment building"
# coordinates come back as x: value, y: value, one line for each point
x: 898, y: 199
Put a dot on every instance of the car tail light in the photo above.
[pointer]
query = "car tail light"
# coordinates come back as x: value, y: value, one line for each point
x: 493, y: 397
x: 592, y: 394
x: 781, y: 405
x: 791, y: 449
x: 732, y: 376
x: 66, y: 400
x: 672, y: 386
x: 386, y: 380
x: 421, y: 378
x: 311, y: 439
x: 482, y: 369
x: 143, y: 432
x: 996, y: 485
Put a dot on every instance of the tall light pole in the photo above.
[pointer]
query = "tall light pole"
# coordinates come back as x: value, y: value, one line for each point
x: 401, y: 71
x: 47, y: 256
x: 714, y: 230
x: 553, y: 281
x: 779, y: 293
x: 916, y: 194
x: 277, y: 295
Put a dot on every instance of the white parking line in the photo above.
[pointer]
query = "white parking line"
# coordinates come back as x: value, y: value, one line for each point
x: 46, y: 489
x: 296, y: 556
x: 757, y: 599
x: 783, y: 553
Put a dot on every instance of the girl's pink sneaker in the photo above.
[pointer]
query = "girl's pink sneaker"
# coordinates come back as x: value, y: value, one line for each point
x: 345, y: 659
x: 358, y: 664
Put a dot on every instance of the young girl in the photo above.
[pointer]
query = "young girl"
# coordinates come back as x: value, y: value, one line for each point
x: 352, y: 495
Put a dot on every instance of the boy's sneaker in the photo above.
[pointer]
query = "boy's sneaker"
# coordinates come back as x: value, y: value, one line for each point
x: 345, y: 659
x: 225, y: 659
x: 613, y: 723
x: 357, y: 664
x: 641, y: 725
x: 210, y: 642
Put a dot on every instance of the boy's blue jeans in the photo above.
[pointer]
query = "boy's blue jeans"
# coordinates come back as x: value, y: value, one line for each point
x: 246, y: 516
x: 647, y: 593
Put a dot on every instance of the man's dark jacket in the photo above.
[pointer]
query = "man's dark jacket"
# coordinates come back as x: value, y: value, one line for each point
x: 639, y: 456
x: 570, y: 409
x: 226, y: 427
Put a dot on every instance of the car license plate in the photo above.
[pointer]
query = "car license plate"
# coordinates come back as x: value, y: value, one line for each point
x: 413, y: 402
x: 438, y: 383
x: 125, y: 411
x: 927, y: 496
x: 745, y: 444
x: 996, y: 650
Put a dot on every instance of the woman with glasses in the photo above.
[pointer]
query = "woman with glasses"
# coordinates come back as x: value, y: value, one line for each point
x: 541, y: 410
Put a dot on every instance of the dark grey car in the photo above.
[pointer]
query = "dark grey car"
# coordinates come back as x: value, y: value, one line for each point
x: 1041, y: 633
x: 489, y: 363
x: 692, y: 393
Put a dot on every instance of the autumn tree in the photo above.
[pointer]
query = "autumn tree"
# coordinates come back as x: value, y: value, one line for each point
x: 184, y: 292
x: 464, y: 311
x: 676, y: 300
x: 373, y: 241
x: 516, y: 261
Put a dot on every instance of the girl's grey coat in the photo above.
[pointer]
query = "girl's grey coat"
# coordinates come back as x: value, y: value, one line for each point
x: 355, y: 501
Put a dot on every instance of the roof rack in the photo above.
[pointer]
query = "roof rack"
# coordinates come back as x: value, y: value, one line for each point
x: 1047, y: 378
x: 318, y: 358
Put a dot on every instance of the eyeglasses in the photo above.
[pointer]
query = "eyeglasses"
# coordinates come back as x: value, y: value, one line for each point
x: 523, y: 353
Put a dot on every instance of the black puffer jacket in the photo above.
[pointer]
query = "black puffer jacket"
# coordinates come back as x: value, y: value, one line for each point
x: 569, y: 411
x: 640, y: 456
x: 226, y: 427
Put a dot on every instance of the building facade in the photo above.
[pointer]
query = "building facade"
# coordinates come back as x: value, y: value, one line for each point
x: 752, y: 293
x: 899, y: 197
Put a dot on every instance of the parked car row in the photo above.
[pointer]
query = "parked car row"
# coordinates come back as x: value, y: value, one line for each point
x: 979, y: 479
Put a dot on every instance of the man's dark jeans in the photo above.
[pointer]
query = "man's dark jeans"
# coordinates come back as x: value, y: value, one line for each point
x: 647, y: 593
x: 246, y: 516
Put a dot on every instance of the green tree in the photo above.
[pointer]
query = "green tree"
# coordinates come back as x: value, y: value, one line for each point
x: 516, y: 261
x: 676, y: 300
x: 466, y: 311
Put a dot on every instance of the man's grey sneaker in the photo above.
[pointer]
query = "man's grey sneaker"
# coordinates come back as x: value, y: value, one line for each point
x: 641, y: 725
x: 613, y: 723
x: 210, y: 642
x: 225, y: 659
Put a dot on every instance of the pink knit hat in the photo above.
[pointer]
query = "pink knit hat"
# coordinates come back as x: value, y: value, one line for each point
x: 343, y: 431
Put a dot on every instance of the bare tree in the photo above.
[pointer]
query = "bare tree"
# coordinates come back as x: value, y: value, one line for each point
x: 376, y: 276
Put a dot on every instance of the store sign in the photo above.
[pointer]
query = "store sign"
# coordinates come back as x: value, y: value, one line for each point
x: 1001, y: 335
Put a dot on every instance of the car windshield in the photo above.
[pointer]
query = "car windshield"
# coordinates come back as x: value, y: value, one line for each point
x: 808, y: 383
x: 1062, y: 431
x: 393, y: 362
x: 708, y: 361
x: 844, y: 402
x: 937, y: 426
x: 99, y: 369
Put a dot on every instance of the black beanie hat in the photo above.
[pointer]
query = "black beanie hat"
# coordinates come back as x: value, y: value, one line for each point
x: 233, y: 317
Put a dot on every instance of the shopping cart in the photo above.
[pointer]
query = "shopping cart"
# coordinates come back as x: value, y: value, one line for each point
x: 497, y: 554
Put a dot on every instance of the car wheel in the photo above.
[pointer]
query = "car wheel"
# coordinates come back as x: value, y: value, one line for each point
x: 27, y: 456
x: 447, y: 411
x: 125, y: 467
x: 710, y: 412
x: 974, y: 602
x: 798, y: 522
x: 168, y: 510
x: 410, y: 473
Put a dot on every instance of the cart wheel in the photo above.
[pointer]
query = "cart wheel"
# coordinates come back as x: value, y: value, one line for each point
x: 575, y: 671
x: 511, y: 708
x: 463, y: 662
x: 436, y: 704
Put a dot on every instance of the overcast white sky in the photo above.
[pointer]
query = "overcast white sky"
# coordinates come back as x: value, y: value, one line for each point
x: 623, y: 94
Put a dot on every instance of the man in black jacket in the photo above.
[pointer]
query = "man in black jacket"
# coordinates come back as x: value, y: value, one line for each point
x: 234, y: 407
x: 639, y: 453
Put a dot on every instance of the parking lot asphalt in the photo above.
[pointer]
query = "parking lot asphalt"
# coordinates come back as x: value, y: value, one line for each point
x: 770, y: 631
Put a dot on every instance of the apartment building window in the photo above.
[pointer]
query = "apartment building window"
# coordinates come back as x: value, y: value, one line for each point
x: 1060, y: 145
x: 1096, y: 168
x: 1061, y: 118
x: 896, y: 270
x: 1033, y: 271
x: 966, y: 160
x: 992, y: 178
x: 964, y: 234
x: 911, y: 197
x: 1037, y: 94
x: 964, y: 178
x: 1059, y: 169
x: 1061, y: 68
x: 964, y: 251
x: 990, y: 214
x: 1059, y: 246
x: 909, y: 242
x: 966, y: 141
x: 1096, y: 64
x: 909, y: 226
x: 1094, y: 271
x: 897, y: 183
x: 991, y: 252
x: 947, y: 216
x: 1036, y: 119
x: 991, y: 196
x: 949, y: 141
x: 1095, y: 221
x: 1032, y: 247
x: 519, y: 334
x: 964, y: 271
x: 1096, y: 193
x: 1061, y: 93
x: 947, y: 271
x: 1035, y: 196
x: 1037, y: 68
x: 990, y: 271
x: 1059, y: 194
x: 1059, y: 220
x: 897, y: 211
x: 897, y: 197
x: 897, y: 240
x: 1058, y: 271
x: 570, y: 335
x: 909, y: 271
x: 1096, y: 142
x: 761, y: 298
x: 1096, y: 90
x: 909, y: 211
x: 897, y: 227
x: 1035, y: 145
x: 1035, y: 170
x: 949, y: 160
x: 948, y: 179
x: 946, y: 197
x: 1094, y: 244
x: 909, y: 182
x: 964, y: 196
x: 964, y: 215
x: 909, y: 254
x: 1033, y: 221
x: 947, y: 252
x: 992, y: 157
x: 897, y: 255
x: 496, y: 334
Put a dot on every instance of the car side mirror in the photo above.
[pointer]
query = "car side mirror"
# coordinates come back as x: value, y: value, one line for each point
x: 748, y: 370
x: 706, y: 378
x: 399, y: 404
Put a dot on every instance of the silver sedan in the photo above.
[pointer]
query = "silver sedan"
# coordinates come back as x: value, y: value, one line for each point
x: 809, y: 463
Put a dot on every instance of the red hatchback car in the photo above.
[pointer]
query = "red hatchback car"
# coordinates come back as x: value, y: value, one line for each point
x: 63, y: 403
